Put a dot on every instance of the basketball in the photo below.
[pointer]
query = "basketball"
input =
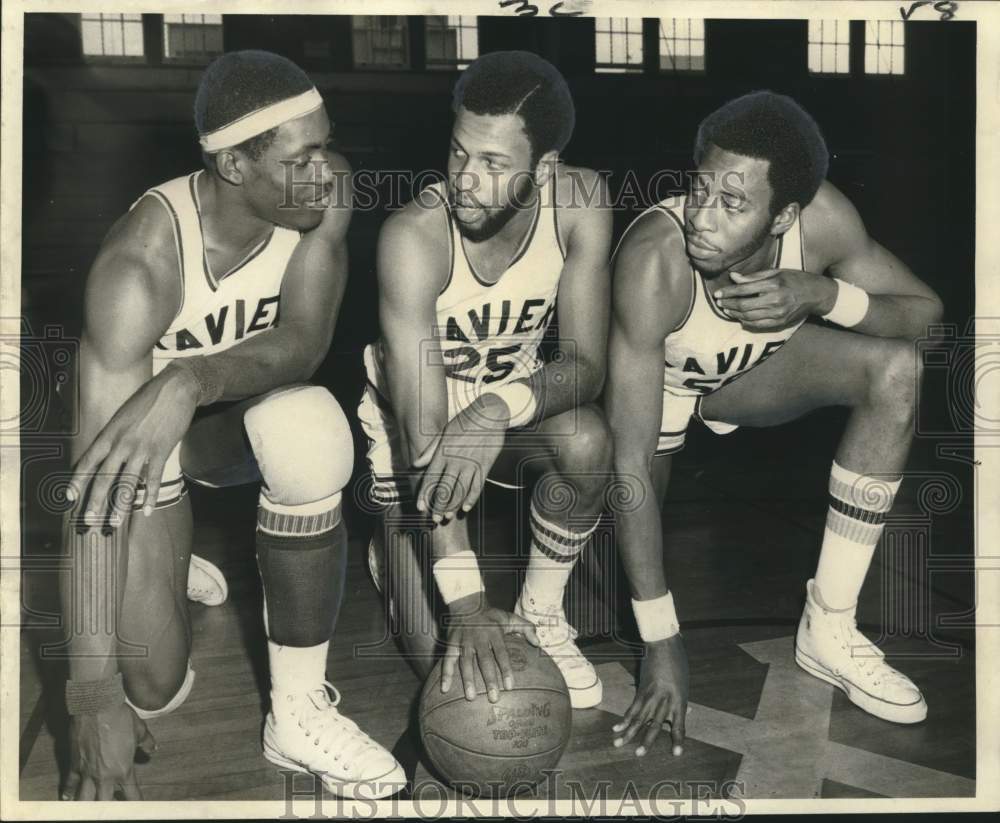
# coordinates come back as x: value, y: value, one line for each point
x: 503, y: 748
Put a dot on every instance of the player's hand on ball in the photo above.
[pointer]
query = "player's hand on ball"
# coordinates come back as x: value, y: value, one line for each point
x: 475, y: 637
x: 134, y: 446
x: 102, y: 755
x: 662, y: 697
x: 458, y: 462
x: 775, y: 298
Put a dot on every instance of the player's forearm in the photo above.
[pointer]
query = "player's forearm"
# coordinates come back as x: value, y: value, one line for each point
x: 639, y: 534
x: 91, y: 590
x: 91, y: 594
x: 879, y: 315
x: 420, y: 427
x: 419, y: 400
x: 906, y: 316
x: 275, y: 358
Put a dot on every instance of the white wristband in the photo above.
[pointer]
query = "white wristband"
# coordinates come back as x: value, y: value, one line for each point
x: 520, y: 401
x: 656, y: 618
x: 457, y: 576
x: 850, y: 307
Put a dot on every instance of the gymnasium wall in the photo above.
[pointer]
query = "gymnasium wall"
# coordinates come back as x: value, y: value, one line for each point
x: 96, y: 136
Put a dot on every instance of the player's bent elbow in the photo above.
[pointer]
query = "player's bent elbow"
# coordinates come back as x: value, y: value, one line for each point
x: 930, y: 313
x: 936, y: 311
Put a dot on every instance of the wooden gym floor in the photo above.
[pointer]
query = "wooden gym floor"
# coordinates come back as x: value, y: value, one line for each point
x: 744, y: 523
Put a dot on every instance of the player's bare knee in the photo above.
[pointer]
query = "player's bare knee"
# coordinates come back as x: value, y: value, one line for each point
x: 153, y: 690
x: 894, y: 375
x: 583, y: 461
x: 587, y: 450
x: 302, y: 443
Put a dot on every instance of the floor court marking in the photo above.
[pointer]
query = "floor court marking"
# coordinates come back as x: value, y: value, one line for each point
x: 786, y: 747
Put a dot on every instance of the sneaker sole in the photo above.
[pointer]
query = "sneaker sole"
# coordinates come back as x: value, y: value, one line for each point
x: 893, y: 712
x: 389, y: 784
x: 212, y: 571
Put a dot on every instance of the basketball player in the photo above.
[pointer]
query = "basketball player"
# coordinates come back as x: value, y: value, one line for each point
x: 469, y: 275
x: 187, y: 373
x: 712, y: 292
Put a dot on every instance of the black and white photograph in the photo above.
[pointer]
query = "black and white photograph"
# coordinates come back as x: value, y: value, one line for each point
x: 518, y: 410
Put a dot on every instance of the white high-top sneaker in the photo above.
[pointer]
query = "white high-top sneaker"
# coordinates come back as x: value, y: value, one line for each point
x: 206, y: 583
x: 556, y: 636
x: 312, y: 736
x: 829, y: 646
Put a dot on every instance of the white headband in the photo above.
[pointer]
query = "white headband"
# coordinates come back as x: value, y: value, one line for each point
x: 261, y: 120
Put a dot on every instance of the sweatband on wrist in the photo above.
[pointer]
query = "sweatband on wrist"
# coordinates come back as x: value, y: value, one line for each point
x: 457, y: 576
x: 210, y: 385
x: 850, y: 307
x: 520, y: 401
x: 93, y: 696
x: 656, y: 618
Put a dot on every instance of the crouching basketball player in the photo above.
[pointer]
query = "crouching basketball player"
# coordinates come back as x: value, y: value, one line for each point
x: 711, y: 297
x: 457, y: 395
x: 187, y: 373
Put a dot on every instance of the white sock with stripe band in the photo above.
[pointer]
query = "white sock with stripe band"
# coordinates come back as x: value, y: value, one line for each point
x: 553, y: 553
x: 854, y: 524
x: 300, y: 519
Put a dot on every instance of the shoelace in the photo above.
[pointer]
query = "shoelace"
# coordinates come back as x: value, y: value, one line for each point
x: 328, y: 727
x: 554, y: 625
x: 868, y: 657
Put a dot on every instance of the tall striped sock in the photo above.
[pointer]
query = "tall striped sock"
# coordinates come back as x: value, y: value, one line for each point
x: 854, y: 524
x: 554, y: 550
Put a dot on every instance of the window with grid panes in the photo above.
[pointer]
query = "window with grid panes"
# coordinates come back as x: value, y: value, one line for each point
x: 618, y: 44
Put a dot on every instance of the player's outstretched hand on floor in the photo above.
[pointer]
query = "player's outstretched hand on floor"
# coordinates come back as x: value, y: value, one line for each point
x: 102, y: 752
x: 662, y: 697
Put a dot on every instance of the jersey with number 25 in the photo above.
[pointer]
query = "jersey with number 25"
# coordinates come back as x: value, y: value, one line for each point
x: 489, y: 333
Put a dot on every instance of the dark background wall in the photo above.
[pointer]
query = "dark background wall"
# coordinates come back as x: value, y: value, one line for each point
x: 97, y: 136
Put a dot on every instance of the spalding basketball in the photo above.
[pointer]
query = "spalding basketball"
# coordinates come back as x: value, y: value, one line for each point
x: 503, y: 748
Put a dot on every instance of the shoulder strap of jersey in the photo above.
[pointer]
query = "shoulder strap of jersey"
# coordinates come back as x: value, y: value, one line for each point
x: 437, y: 189
x: 174, y: 196
x: 667, y: 207
x: 551, y: 199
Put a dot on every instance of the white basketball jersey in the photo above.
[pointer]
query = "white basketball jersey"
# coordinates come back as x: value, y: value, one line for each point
x: 216, y: 314
x: 490, y: 333
x: 709, y: 349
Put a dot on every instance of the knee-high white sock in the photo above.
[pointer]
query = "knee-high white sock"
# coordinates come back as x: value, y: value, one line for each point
x: 554, y: 550
x: 854, y: 524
